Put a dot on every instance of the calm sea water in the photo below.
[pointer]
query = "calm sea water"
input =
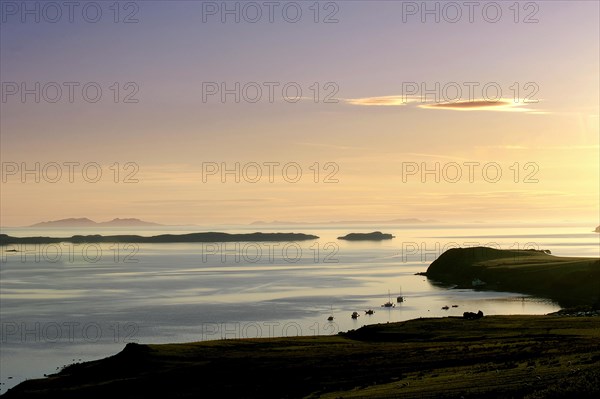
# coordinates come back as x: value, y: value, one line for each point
x: 63, y: 303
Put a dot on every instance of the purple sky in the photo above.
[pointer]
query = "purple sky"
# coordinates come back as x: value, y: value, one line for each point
x: 166, y: 59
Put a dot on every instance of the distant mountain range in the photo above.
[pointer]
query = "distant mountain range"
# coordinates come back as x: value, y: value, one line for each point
x: 85, y: 222
x: 349, y: 222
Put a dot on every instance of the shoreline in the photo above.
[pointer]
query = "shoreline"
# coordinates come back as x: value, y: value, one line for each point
x: 569, y: 281
x: 537, y: 354
x: 378, y: 360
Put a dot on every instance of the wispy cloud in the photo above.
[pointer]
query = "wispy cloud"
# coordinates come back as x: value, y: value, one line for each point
x: 503, y: 105
x: 381, y: 101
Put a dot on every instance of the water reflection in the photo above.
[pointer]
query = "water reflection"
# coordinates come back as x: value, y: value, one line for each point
x: 73, y: 308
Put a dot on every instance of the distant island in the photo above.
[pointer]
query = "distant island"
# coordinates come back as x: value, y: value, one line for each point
x: 597, y: 229
x: 85, y: 222
x: 374, y: 236
x: 570, y: 281
x: 349, y: 222
x: 163, y: 238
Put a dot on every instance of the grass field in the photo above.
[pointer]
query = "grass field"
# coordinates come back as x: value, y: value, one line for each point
x: 496, y: 357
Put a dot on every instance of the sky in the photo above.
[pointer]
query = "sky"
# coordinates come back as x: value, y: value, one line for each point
x: 175, y: 112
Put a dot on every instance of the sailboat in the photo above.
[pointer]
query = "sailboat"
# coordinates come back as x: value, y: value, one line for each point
x: 400, y: 298
x: 389, y: 303
x: 330, y: 318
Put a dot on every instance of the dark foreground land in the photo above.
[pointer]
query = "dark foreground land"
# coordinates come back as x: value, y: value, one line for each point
x: 493, y: 357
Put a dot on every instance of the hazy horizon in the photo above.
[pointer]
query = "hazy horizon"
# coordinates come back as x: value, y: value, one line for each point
x: 383, y: 223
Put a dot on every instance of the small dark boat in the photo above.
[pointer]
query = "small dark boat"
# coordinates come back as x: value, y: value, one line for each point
x: 389, y: 303
x: 330, y: 318
x: 369, y: 312
x: 454, y: 306
x: 400, y: 298
x: 355, y: 315
x: 445, y: 307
